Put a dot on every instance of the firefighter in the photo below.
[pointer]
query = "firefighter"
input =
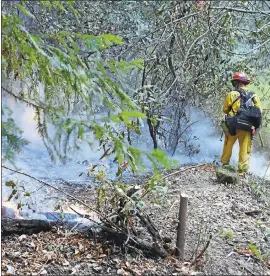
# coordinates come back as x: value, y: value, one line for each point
x: 230, y: 107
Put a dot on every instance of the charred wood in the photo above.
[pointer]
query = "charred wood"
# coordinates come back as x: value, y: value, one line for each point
x: 24, y: 226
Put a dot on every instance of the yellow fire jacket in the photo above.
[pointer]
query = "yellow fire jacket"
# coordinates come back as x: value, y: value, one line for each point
x: 231, y: 97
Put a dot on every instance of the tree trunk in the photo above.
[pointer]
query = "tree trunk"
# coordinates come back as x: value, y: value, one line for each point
x: 152, y: 132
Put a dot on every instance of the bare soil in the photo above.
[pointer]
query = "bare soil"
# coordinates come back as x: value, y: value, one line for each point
x: 236, y: 216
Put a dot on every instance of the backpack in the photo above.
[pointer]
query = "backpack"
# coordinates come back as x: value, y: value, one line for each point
x: 247, y: 116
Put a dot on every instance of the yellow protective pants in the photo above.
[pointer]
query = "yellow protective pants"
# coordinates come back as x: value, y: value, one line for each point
x: 244, y: 139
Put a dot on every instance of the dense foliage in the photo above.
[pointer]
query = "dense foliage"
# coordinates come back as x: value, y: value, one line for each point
x: 104, y: 66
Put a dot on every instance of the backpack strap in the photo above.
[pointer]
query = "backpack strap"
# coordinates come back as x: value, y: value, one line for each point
x: 251, y: 95
x: 243, y: 95
x: 230, y: 108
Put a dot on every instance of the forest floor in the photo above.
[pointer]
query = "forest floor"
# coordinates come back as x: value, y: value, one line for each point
x: 236, y: 216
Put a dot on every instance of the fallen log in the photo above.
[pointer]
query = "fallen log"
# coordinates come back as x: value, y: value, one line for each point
x: 24, y: 226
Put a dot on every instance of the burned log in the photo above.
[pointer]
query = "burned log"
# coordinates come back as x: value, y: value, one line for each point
x: 24, y: 226
x: 153, y: 248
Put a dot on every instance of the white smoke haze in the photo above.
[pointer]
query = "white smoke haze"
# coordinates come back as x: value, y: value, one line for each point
x: 211, y: 147
x: 35, y: 160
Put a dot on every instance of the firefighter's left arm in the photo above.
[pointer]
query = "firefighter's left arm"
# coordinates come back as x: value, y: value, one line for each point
x: 257, y: 101
x: 227, y: 103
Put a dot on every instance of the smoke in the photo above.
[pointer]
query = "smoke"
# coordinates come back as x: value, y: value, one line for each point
x: 203, y: 145
x: 204, y: 142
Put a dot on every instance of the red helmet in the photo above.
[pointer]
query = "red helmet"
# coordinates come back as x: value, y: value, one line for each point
x: 240, y: 76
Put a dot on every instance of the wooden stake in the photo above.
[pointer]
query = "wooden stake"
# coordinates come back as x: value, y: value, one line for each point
x: 180, y: 242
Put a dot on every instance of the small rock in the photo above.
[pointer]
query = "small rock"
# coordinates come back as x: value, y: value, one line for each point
x: 22, y: 237
x: 74, y: 271
x: 120, y: 271
x: 54, y: 229
x: 196, y: 273
x: 66, y: 263
x: 10, y: 270
x: 116, y: 260
x: 227, y: 175
x: 43, y: 272
x: 97, y: 268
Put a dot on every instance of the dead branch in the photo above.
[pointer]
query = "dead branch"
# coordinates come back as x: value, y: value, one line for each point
x: 240, y: 10
x: 198, y: 38
x: 146, y: 221
x: 156, y: 30
x: 253, y: 212
x: 154, y: 248
x: 202, y: 252
x: 182, y: 170
x: 261, y: 140
x: 100, y: 225
x: 171, y: 208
